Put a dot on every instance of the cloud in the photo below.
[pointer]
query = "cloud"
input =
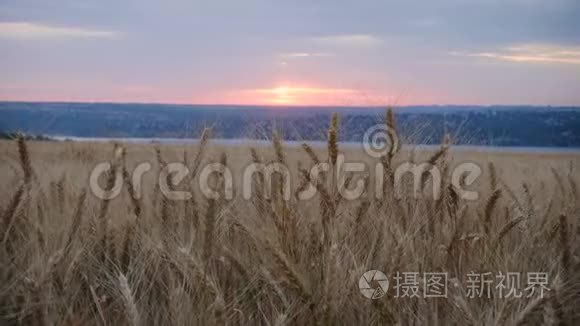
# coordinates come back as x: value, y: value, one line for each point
x: 531, y: 53
x: 33, y: 31
x: 300, y: 55
x: 352, y: 40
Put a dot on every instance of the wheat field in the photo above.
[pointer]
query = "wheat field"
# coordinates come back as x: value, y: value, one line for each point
x: 70, y: 258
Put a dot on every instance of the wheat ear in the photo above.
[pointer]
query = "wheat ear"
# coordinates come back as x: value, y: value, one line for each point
x: 290, y: 276
x: 305, y: 181
x: 310, y: 152
x: 436, y: 157
x: 102, y: 219
x: 278, y: 148
x: 507, y: 228
x: 24, y: 156
x: 133, y: 196
x: 492, y: 176
x: 488, y: 212
x: 440, y: 153
x: 333, y: 139
x: 391, y: 133
x: 195, y: 211
x: 203, y: 140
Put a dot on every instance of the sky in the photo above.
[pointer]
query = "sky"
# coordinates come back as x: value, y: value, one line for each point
x: 299, y: 52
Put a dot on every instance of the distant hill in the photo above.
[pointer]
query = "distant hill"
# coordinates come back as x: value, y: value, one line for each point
x: 14, y: 135
x: 474, y: 125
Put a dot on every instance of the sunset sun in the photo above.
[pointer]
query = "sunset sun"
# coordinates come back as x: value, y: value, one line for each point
x: 296, y: 94
x: 284, y: 95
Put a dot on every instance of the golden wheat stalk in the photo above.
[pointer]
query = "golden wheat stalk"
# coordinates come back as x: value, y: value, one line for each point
x: 452, y: 202
x: 311, y: 154
x: 166, y: 214
x: 203, y: 140
x: 488, y: 211
x: 103, y: 228
x: 438, y: 156
x: 133, y: 196
x: 333, y: 139
x: 259, y: 200
x: 255, y: 157
x: 492, y: 176
x: 76, y: 221
x: 278, y: 147
x: 315, y: 160
x: 199, y: 274
x: 160, y: 161
x: 25, y: 162
x: 210, y: 216
x: 390, y: 118
x: 221, y: 177
x: 291, y: 278
x: 391, y: 133
x: 40, y: 226
x: 387, y: 159
x: 326, y: 203
x: 440, y: 153
x: 192, y: 205
x: 59, y: 192
x: 565, y: 258
x: 361, y: 211
x: 529, y: 200
x: 522, y: 317
x: 507, y: 228
x: 338, y: 197
x: 10, y: 213
x: 133, y: 315
x: 573, y: 188
x: 305, y: 181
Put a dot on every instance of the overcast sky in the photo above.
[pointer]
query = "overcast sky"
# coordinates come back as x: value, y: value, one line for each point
x: 322, y: 52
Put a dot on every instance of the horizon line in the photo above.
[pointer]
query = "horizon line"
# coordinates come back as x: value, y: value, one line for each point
x: 299, y: 106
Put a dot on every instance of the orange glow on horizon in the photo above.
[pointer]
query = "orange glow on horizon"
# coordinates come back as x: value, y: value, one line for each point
x: 298, y: 95
x: 280, y: 94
